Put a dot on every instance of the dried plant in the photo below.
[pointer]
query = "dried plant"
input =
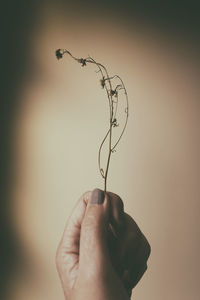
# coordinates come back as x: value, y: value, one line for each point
x: 113, y: 93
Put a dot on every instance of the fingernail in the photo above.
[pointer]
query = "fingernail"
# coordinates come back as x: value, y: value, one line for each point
x: 97, y: 196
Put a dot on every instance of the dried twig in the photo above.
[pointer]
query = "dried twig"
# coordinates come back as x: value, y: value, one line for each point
x: 113, y: 98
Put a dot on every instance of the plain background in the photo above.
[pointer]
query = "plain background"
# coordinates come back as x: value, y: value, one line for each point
x: 55, y: 115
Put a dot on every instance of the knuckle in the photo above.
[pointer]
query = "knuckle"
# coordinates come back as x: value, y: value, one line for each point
x: 133, y: 236
x: 117, y: 208
x: 120, y: 206
x: 132, y: 224
x: 135, y: 233
x: 146, y: 248
x: 86, y: 196
x: 119, y: 203
x: 116, y: 200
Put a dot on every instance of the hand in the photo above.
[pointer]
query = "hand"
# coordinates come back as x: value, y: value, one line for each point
x: 103, y: 253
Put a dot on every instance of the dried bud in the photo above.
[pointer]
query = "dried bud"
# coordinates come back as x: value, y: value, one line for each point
x: 82, y: 61
x: 102, y: 81
x: 112, y: 92
x: 59, y: 54
x: 114, y: 123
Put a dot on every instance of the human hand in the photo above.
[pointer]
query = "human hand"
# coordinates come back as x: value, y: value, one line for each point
x: 103, y: 253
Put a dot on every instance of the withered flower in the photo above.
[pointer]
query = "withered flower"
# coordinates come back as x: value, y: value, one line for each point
x: 112, y: 92
x: 82, y: 61
x: 102, y: 82
x: 59, y: 54
x: 107, y: 83
x: 114, y: 123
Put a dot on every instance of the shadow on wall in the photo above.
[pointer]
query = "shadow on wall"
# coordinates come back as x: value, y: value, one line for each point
x: 18, y: 22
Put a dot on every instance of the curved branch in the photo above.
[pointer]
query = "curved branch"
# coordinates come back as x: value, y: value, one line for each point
x: 99, y: 154
x: 110, y: 93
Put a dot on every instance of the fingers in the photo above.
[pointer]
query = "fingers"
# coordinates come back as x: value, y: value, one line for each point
x: 140, y: 265
x: 69, y: 243
x: 116, y: 223
x: 138, y: 248
x: 97, y: 211
x: 98, y: 233
x: 117, y: 208
x: 136, y: 255
x: 93, y: 239
x: 133, y: 241
x: 92, y: 216
x: 135, y: 250
x: 130, y: 280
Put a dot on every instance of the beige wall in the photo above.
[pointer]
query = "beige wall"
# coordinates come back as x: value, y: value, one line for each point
x: 155, y: 169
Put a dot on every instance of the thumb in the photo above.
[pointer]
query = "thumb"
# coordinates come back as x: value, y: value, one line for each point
x: 94, y: 230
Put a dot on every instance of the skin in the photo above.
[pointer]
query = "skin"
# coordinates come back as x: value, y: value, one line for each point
x: 102, y: 254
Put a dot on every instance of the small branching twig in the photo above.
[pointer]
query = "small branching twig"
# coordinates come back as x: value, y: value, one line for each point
x: 106, y: 83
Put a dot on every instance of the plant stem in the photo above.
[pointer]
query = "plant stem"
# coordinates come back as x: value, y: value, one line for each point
x: 109, y: 155
x: 110, y: 92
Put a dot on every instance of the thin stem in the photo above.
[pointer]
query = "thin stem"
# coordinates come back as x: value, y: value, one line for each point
x: 111, y: 118
x: 106, y: 82
x: 99, y: 156
x: 108, y: 161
